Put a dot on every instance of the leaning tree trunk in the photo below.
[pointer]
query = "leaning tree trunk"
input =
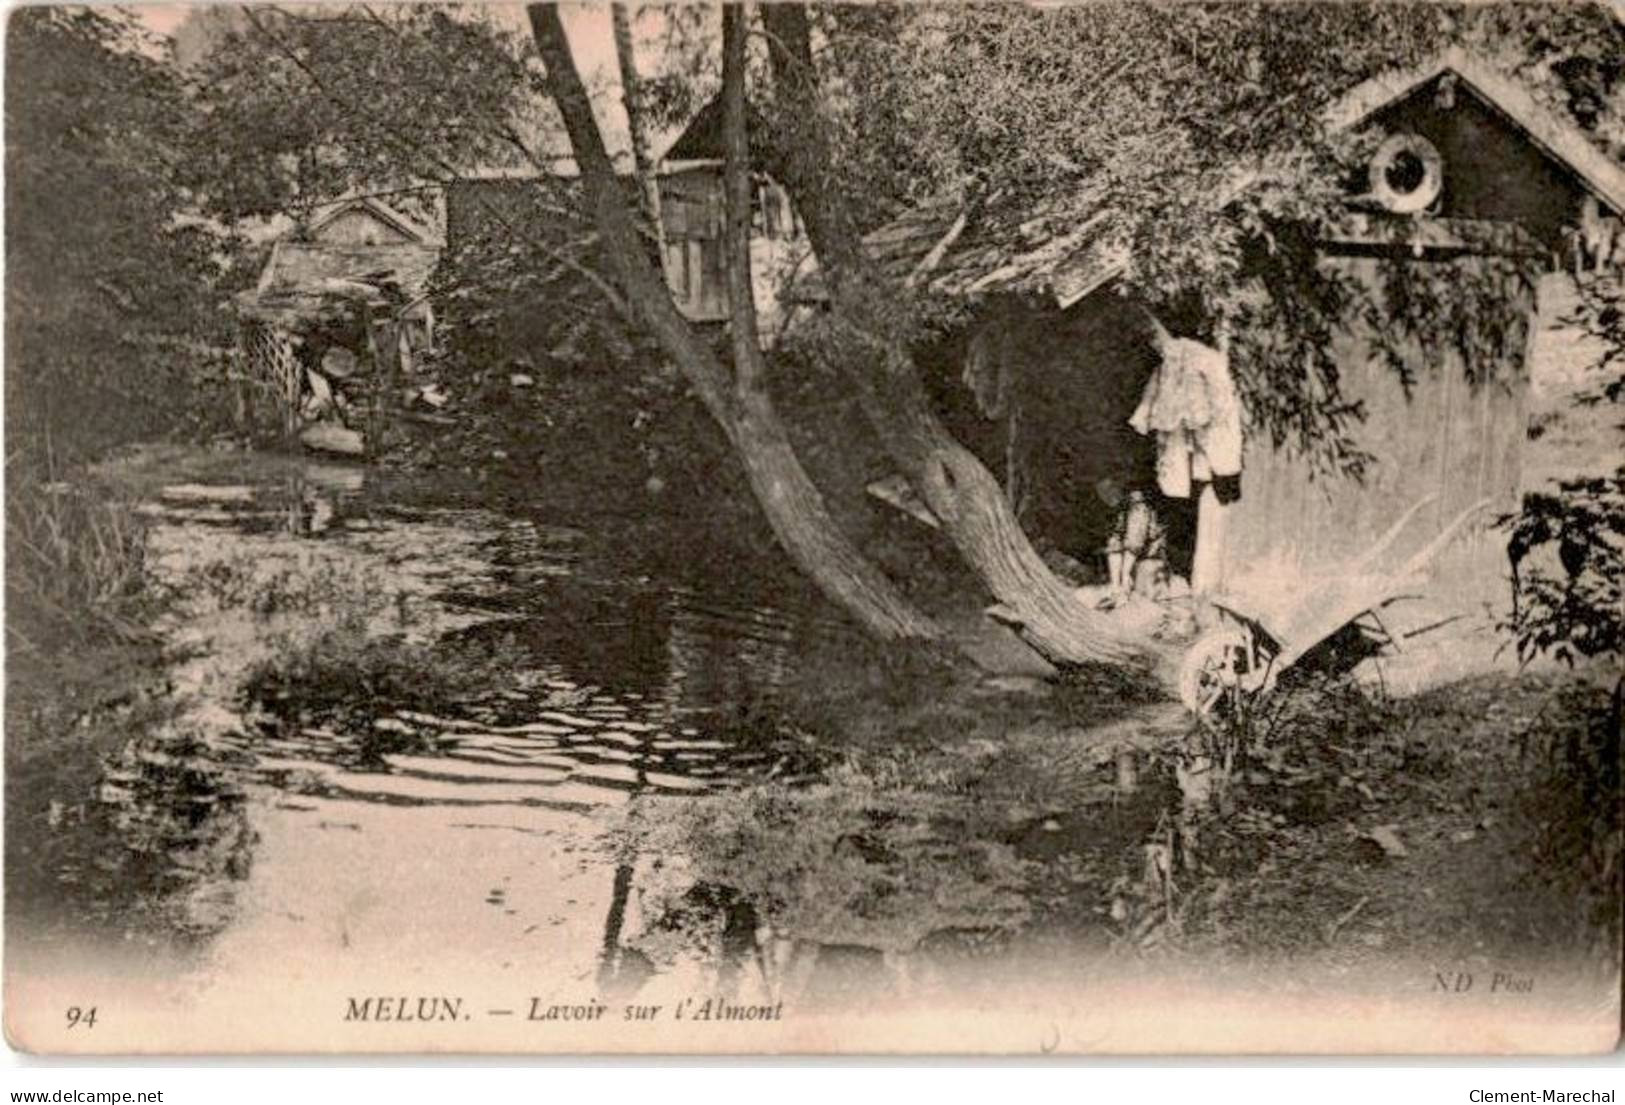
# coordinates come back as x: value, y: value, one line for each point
x: 795, y: 510
x: 960, y: 491
x: 801, y: 522
x: 977, y: 515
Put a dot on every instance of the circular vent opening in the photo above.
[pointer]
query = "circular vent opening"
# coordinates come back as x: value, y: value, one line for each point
x: 1407, y: 173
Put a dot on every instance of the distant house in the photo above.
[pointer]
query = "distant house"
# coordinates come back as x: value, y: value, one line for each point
x: 494, y: 201
x: 347, y: 247
x: 1468, y: 168
x: 355, y: 276
x: 691, y: 197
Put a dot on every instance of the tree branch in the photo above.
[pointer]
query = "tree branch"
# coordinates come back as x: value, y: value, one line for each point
x: 646, y: 287
x: 616, y: 301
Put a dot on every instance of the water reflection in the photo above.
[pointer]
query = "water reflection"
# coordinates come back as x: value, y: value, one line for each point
x: 180, y: 817
x: 619, y: 686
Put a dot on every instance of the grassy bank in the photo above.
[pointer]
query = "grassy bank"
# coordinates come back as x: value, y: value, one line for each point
x: 1476, y: 823
x: 83, y: 679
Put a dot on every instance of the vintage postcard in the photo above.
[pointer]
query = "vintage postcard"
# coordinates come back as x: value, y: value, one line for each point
x: 799, y: 528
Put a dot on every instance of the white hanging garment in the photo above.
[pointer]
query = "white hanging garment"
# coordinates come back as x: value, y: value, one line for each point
x: 1218, y: 440
x: 1190, y: 403
x: 1174, y: 463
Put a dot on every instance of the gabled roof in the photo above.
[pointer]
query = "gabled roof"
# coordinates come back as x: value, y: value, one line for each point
x: 305, y: 279
x: 703, y: 138
x: 1559, y: 138
x: 378, y: 209
x: 1063, y: 245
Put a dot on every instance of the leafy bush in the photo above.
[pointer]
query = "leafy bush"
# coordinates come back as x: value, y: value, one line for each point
x: 113, y: 326
x: 345, y: 667
x: 1600, y: 314
x: 1568, y: 605
x: 1570, y: 609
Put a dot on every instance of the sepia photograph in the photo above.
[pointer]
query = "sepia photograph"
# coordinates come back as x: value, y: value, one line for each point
x: 957, y: 529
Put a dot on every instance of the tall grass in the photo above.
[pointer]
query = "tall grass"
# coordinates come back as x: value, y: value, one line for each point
x: 76, y: 569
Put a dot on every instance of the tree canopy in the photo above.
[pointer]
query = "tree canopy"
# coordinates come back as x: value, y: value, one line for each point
x: 113, y: 291
x: 1190, y: 141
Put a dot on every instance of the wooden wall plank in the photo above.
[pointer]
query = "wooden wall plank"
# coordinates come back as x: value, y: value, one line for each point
x: 1450, y: 438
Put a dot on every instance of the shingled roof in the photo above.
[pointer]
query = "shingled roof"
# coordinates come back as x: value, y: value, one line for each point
x: 1062, y: 246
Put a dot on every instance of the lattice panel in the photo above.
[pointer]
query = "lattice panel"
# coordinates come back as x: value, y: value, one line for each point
x: 274, y: 367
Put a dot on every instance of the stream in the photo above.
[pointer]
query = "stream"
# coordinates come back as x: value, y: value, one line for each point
x: 308, y: 862
x: 381, y: 851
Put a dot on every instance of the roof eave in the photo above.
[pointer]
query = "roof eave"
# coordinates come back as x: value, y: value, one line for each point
x: 1559, y: 140
x: 382, y: 212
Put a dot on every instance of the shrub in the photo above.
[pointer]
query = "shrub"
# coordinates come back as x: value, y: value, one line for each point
x: 345, y: 668
x: 1571, y: 608
x: 76, y: 567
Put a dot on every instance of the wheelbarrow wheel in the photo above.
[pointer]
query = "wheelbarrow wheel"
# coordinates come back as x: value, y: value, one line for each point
x: 1216, y: 668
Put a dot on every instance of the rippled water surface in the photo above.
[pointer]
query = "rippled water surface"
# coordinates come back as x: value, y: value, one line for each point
x: 305, y: 865
x: 368, y: 847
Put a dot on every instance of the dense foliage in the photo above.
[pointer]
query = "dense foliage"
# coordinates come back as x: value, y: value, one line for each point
x: 112, y: 304
x: 1198, y: 129
x: 1571, y: 609
x: 1567, y: 543
x: 1190, y: 141
x: 297, y: 107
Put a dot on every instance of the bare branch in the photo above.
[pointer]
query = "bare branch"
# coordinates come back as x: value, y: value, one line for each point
x: 624, y: 246
x: 418, y: 150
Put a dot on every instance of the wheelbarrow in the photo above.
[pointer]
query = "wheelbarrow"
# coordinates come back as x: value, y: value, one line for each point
x: 1260, y: 637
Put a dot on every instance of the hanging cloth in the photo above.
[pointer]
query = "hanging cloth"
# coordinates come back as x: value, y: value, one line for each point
x: 987, y: 373
x: 1190, y: 404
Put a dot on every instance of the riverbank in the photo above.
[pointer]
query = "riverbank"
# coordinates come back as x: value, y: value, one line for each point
x: 85, y: 676
x: 1455, y: 827
x: 364, y: 661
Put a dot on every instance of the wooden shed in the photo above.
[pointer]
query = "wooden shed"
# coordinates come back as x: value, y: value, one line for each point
x: 1469, y: 171
x: 357, y: 261
x: 496, y: 203
x: 691, y: 196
